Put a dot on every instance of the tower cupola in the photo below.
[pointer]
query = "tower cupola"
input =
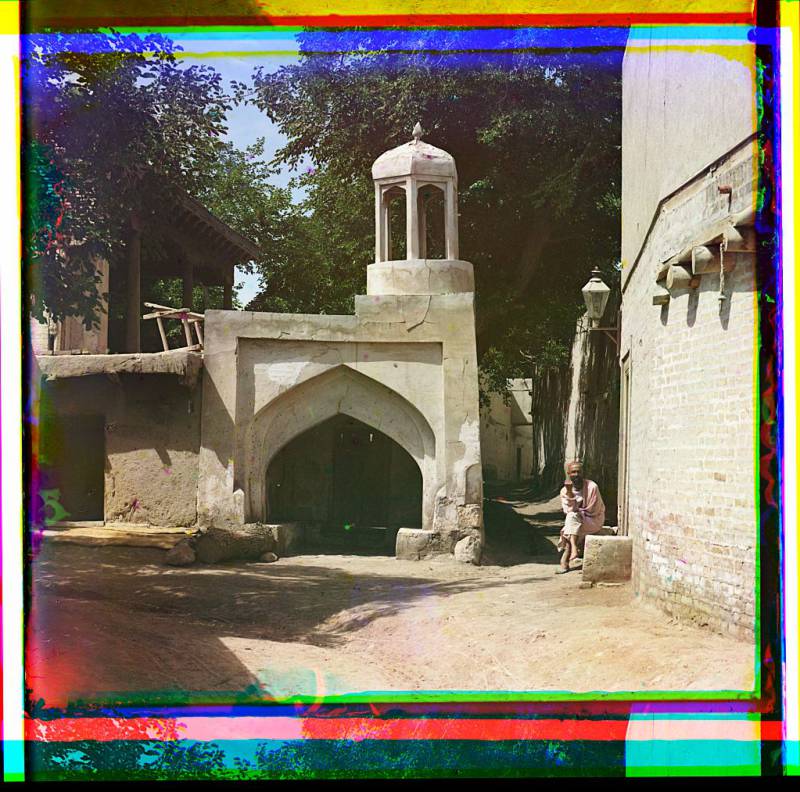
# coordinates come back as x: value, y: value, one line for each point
x: 414, y: 170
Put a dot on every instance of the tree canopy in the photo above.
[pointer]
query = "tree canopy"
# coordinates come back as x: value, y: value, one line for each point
x: 536, y: 139
x: 112, y: 122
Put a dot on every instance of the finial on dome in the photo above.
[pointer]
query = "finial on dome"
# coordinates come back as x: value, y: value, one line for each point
x: 417, y: 133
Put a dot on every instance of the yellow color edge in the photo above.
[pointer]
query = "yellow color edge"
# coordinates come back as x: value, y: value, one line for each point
x: 124, y: 8
x: 9, y: 17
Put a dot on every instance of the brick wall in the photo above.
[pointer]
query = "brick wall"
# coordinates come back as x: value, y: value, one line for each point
x: 691, y: 476
x: 687, y: 492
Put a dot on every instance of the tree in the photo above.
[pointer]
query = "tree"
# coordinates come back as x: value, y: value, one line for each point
x: 111, y: 123
x: 240, y: 193
x: 536, y: 140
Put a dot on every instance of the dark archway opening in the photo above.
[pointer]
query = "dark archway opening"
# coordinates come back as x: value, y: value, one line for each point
x: 432, y: 222
x: 396, y: 201
x: 351, y: 486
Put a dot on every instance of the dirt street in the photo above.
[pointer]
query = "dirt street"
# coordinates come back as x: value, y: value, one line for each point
x: 108, y: 620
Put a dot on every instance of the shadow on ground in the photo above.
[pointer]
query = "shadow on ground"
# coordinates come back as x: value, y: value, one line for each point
x: 102, y: 615
x: 106, y: 618
x: 276, y: 602
x: 519, y: 520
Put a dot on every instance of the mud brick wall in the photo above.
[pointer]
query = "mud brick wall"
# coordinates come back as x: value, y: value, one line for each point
x: 506, y: 427
x: 152, y: 438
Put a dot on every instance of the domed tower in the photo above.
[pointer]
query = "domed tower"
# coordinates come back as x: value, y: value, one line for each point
x: 404, y: 366
x: 418, y: 173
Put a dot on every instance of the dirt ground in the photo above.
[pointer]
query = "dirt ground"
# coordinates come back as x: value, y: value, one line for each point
x: 115, y: 620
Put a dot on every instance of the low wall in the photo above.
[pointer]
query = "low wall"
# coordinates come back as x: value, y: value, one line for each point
x: 149, y: 426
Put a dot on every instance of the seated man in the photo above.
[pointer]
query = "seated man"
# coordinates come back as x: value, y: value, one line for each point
x: 585, y: 510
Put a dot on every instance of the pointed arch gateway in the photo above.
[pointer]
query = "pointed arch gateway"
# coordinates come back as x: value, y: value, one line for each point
x: 339, y: 391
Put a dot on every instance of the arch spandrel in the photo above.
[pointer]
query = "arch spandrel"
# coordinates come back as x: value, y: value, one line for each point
x: 342, y: 390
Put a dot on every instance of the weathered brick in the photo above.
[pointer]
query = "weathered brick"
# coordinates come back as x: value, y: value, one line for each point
x: 692, y: 513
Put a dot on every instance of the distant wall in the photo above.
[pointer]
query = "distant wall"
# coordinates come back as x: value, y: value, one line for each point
x: 575, y: 412
x: 550, y: 401
x: 507, y: 434
x: 151, y: 434
x: 70, y: 333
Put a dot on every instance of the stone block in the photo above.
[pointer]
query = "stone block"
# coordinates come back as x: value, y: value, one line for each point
x: 413, y: 543
x: 181, y: 555
x: 245, y: 542
x: 607, y: 530
x: 607, y: 558
x: 288, y: 537
x: 470, y: 516
x: 468, y: 550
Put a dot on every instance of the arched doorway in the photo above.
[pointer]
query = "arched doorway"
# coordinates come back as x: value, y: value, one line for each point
x: 338, y: 391
x: 350, y: 484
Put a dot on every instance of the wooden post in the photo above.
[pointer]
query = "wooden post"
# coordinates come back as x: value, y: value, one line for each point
x: 186, y: 331
x: 227, y: 291
x: 188, y: 285
x: 161, y: 332
x: 198, y: 328
x: 133, y: 338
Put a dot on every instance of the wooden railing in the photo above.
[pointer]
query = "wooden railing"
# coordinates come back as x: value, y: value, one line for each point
x: 188, y: 318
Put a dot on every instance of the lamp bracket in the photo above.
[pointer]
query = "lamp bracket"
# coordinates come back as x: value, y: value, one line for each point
x: 611, y: 332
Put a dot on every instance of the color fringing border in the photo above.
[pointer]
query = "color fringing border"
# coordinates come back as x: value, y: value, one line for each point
x: 461, y: 734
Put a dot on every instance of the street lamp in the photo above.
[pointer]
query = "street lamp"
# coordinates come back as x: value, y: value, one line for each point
x: 595, y: 295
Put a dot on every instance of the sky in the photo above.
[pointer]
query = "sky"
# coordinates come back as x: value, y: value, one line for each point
x: 235, y: 57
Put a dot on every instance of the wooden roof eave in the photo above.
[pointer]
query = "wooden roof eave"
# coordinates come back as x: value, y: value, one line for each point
x: 243, y: 248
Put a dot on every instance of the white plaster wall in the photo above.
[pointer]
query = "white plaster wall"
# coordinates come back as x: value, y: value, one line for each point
x: 692, y: 470
x: 38, y: 336
x: 496, y: 438
x: 577, y: 354
x: 421, y: 348
x: 683, y: 106
x: 506, y: 427
x: 413, y: 370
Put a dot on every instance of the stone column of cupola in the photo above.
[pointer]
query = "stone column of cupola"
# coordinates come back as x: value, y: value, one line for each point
x: 378, y: 223
x: 423, y: 225
x: 412, y: 220
x: 383, y: 226
x: 451, y: 221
